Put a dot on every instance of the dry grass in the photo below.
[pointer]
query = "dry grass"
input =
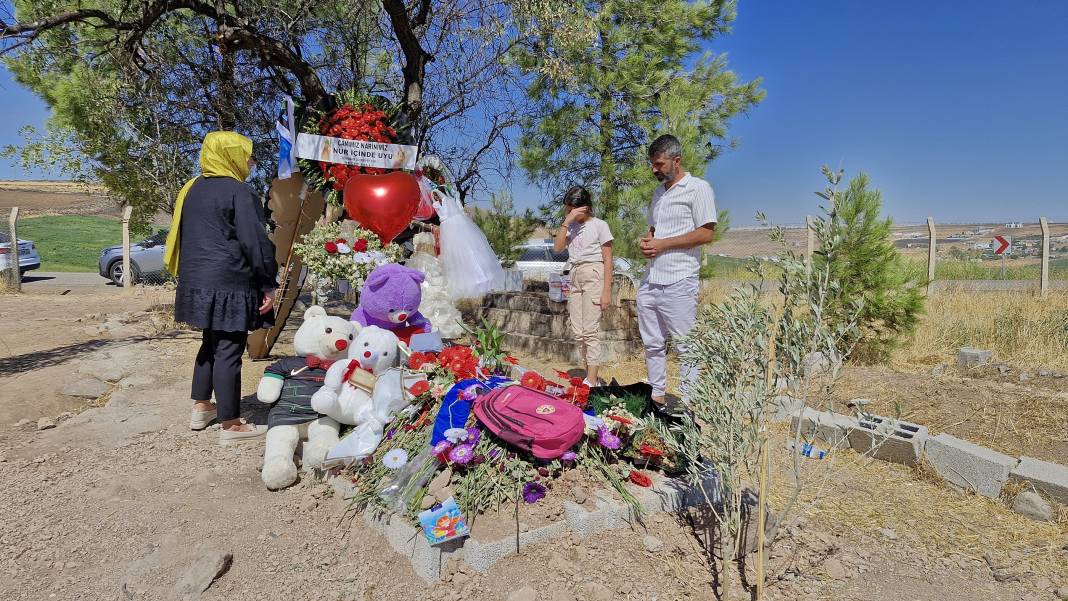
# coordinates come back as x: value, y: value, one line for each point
x: 860, y: 496
x: 1023, y: 328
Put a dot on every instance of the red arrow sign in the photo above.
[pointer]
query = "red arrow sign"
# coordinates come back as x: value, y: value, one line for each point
x: 1003, y: 244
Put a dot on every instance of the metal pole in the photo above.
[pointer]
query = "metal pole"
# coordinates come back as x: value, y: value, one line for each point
x: 931, y: 257
x: 811, y: 244
x: 1044, y: 286
x: 127, y: 276
x: 14, y: 253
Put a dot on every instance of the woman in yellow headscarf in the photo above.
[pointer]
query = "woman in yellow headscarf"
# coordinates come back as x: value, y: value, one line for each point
x: 218, y: 248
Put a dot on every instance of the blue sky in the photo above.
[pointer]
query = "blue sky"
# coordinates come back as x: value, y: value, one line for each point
x: 956, y: 110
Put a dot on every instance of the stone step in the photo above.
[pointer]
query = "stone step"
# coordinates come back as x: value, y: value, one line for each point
x: 566, y: 350
x: 552, y: 326
x: 623, y: 311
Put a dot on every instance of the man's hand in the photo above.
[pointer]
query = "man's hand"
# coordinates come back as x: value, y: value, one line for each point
x: 268, y: 302
x: 651, y: 247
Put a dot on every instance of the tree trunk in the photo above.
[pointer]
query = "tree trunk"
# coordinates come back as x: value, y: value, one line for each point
x: 608, y: 166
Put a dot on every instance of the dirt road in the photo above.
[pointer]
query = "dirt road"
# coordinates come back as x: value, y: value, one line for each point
x: 119, y: 501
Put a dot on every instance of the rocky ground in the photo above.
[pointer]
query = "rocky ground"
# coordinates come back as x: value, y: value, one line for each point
x: 118, y: 499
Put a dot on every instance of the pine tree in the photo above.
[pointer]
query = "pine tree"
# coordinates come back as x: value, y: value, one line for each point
x: 601, y: 83
x: 505, y: 231
x: 870, y: 270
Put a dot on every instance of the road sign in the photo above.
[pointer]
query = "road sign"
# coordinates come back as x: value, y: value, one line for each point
x: 1001, y: 244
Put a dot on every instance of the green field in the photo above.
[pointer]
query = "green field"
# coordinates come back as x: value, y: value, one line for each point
x: 70, y: 242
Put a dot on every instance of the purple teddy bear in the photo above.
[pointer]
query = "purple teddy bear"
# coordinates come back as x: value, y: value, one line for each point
x: 390, y: 300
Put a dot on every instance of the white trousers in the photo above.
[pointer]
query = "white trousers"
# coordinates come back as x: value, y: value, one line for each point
x: 665, y: 311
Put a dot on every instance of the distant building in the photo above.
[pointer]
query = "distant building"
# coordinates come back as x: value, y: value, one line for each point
x: 1014, y: 225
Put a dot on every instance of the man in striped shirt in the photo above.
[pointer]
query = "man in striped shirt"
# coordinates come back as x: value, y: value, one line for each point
x: 682, y: 218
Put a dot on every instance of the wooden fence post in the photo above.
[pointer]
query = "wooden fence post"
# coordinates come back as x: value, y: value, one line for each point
x: 1044, y: 286
x: 127, y: 276
x: 14, y: 253
x: 931, y: 258
x: 811, y: 244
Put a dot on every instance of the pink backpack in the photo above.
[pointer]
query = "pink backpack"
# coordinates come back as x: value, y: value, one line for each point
x: 531, y: 420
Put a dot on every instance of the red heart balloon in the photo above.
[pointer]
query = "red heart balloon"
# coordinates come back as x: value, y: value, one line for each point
x: 384, y: 204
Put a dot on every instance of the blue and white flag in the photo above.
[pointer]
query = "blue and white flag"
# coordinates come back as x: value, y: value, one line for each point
x: 287, y: 132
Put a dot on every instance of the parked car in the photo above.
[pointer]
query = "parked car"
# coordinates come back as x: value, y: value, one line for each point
x: 146, y: 259
x: 28, y: 257
x: 538, y: 259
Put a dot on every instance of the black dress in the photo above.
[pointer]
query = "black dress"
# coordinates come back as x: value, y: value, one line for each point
x: 225, y: 260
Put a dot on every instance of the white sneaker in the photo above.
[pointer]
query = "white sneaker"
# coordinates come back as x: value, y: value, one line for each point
x: 232, y: 436
x: 198, y: 420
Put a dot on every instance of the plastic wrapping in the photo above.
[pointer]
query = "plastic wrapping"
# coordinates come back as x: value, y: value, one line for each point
x: 390, y: 396
x: 409, y: 480
x: 470, y: 265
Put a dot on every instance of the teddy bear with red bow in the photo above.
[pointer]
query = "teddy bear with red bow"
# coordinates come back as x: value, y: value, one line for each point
x: 289, y: 385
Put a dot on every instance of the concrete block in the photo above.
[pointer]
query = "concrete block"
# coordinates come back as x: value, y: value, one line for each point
x: 887, y: 439
x: 973, y: 357
x: 969, y: 465
x: 831, y: 428
x: 784, y: 408
x: 1050, y: 479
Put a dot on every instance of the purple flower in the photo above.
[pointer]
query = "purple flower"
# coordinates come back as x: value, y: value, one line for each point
x: 473, y: 434
x: 569, y: 457
x: 494, y: 453
x: 533, y: 492
x: 442, y: 447
x: 607, y: 439
x: 461, y: 454
x: 389, y: 435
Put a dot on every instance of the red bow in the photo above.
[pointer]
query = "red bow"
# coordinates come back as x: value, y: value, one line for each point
x: 314, y: 362
x: 353, y: 366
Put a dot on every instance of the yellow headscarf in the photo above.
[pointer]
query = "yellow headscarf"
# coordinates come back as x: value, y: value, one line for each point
x: 223, y: 154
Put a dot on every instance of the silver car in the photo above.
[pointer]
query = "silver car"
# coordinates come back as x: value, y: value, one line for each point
x: 28, y: 257
x: 538, y: 259
x: 146, y: 260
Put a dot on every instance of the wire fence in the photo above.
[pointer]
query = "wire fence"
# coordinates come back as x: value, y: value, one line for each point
x: 1005, y: 255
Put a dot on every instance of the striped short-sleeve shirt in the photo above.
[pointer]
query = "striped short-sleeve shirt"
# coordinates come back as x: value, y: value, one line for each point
x: 681, y: 209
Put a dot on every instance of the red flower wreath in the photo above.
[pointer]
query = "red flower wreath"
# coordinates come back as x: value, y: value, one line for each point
x: 364, y: 122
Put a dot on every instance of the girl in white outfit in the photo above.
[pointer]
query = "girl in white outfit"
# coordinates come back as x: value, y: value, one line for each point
x: 589, y: 246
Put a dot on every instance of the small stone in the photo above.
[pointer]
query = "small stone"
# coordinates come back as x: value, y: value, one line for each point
x: 440, y: 481
x: 524, y: 594
x: 1044, y: 373
x: 888, y: 533
x: 1062, y: 593
x: 835, y: 569
x: 524, y: 527
x: 653, y: 544
x: 202, y: 572
x: 309, y: 504
x: 938, y: 369
x: 579, y: 495
x: 23, y: 423
x: 1030, y: 504
x: 1025, y: 377
x: 427, y: 502
x: 46, y: 423
x: 595, y: 591
x: 460, y: 579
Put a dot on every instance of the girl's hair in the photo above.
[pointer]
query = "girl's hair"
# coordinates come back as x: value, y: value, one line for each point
x: 577, y: 196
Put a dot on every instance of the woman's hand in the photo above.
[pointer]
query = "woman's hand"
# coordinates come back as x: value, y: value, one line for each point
x: 575, y: 214
x: 606, y: 300
x: 268, y: 302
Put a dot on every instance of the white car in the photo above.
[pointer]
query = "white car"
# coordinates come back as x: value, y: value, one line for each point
x: 28, y: 257
x: 538, y: 259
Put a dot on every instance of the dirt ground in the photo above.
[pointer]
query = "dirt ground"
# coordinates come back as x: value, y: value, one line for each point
x: 37, y: 198
x: 120, y: 498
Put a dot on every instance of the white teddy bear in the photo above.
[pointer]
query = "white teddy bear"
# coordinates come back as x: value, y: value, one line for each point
x: 365, y: 390
x: 289, y: 384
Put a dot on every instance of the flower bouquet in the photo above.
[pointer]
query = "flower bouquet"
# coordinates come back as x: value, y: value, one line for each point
x: 332, y: 256
x: 352, y: 116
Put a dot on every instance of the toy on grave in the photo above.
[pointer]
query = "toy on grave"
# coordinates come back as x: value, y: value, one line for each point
x: 365, y: 391
x: 437, y: 306
x: 390, y: 300
x: 289, y: 384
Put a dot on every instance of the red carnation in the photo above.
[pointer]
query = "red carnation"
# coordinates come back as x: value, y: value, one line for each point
x: 420, y: 388
x: 331, y: 247
x: 512, y: 360
x: 640, y: 479
x: 360, y: 245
